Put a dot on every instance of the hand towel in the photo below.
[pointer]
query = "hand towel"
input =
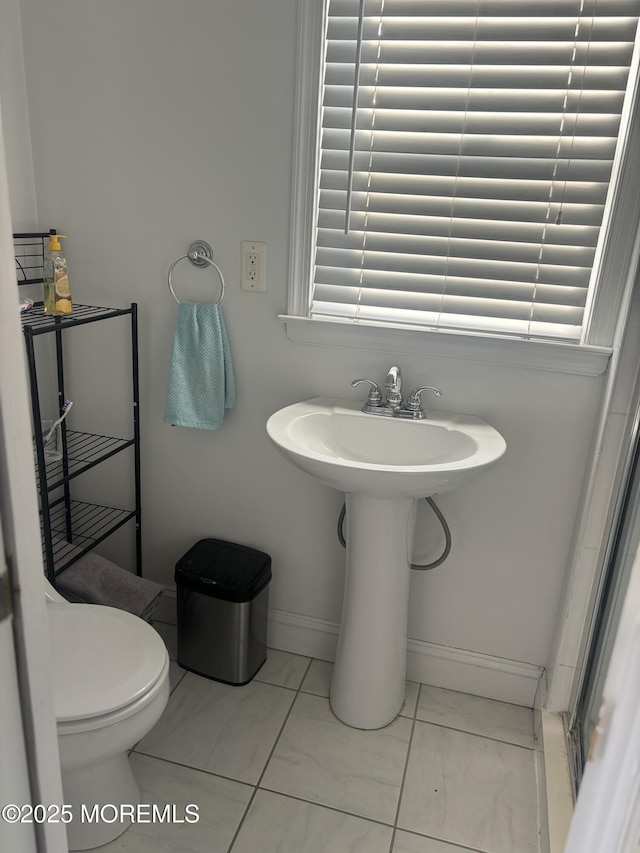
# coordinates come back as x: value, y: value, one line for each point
x: 95, y: 580
x: 201, y: 384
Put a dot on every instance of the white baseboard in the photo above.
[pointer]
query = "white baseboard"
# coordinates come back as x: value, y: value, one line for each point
x: 557, y: 780
x: 427, y: 663
x: 166, y: 609
x: 302, y: 635
x: 544, y: 845
x: 471, y: 672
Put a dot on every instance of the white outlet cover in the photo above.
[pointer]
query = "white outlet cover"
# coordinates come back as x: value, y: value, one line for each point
x: 253, y: 266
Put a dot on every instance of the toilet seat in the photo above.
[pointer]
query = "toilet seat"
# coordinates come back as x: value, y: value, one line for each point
x: 103, y: 660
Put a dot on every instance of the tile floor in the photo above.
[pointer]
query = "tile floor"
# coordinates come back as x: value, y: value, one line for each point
x: 273, y: 771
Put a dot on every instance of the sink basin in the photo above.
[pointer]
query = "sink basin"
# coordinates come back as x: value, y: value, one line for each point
x: 383, y: 464
x: 383, y: 457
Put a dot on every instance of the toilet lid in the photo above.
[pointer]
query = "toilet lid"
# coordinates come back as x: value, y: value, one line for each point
x: 102, y: 659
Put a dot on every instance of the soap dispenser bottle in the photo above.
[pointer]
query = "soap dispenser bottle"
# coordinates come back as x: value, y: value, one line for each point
x: 57, y: 293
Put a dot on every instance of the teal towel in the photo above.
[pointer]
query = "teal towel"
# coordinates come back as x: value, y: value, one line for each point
x: 201, y: 384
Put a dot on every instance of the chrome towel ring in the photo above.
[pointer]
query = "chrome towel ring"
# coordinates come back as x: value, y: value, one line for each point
x: 200, y: 254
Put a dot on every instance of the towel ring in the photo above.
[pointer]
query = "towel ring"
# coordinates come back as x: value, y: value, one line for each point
x: 200, y: 254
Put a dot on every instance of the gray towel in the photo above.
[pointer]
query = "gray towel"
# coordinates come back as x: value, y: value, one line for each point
x: 94, y: 580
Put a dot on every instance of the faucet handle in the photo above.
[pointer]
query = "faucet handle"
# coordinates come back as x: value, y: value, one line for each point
x: 414, y: 400
x: 375, y: 397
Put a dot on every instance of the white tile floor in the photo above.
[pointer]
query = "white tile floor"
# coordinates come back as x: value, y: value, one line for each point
x: 273, y: 771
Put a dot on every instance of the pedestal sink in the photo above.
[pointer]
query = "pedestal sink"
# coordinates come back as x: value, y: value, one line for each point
x: 382, y: 465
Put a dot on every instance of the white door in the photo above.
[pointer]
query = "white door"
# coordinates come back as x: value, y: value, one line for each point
x: 607, y: 814
x: 27, y: 726
x: 14, y: 774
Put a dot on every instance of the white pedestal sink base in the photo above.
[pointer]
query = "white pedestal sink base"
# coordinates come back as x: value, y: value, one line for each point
x: 397, y: 460
x: 368, y: 685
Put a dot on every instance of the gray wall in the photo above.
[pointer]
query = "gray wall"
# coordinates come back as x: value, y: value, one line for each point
x: 155, y: 123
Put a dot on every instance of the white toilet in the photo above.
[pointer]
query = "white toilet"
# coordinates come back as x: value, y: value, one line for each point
x: 110, y: 673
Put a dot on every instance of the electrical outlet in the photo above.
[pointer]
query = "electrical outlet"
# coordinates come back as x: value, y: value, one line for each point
x: 253, y: 274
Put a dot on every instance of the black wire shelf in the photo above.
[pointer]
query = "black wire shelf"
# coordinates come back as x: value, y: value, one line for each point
x: 38, y: 323
x: 84, y: 451
x: 77, y: 530
x: 29, y: 255
x: 71, y: 528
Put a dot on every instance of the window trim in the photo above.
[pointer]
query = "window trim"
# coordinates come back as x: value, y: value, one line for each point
x: 619, y: 264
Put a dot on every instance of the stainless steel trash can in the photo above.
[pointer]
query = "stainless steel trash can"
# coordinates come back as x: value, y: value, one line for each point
x: 223, y: 602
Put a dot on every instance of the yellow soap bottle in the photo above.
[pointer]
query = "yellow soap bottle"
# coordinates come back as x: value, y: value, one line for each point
x: 57, y: 293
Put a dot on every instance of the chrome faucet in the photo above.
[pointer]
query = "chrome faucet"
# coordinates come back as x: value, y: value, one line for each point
x: 394, y: 405
x: 393, y: 384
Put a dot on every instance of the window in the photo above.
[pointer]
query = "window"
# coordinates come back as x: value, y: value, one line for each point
x: 465, y: 166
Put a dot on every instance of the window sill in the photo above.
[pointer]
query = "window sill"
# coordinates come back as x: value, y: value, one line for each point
x: 562, y: 357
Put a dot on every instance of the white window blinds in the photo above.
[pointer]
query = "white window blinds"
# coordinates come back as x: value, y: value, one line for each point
x: 466, y: 188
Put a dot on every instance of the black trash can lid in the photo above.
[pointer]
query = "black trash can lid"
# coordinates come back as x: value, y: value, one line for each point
x: 224, y: 570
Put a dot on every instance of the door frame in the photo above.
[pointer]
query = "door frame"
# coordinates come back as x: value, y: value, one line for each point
x: 22, y: 549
